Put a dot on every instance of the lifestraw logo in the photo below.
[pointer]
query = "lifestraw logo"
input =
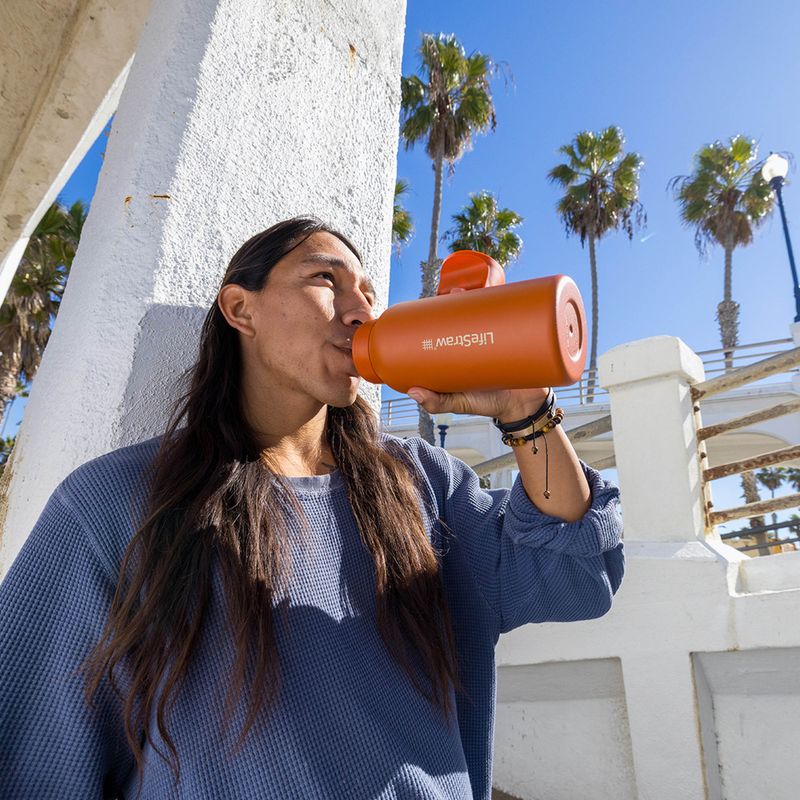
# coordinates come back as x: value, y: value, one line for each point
x: 461, y: 340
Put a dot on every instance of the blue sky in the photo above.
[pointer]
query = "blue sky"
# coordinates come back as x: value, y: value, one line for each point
x: 673, y: 77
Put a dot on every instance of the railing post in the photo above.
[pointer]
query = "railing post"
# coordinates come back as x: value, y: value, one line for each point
x: 655, y: 437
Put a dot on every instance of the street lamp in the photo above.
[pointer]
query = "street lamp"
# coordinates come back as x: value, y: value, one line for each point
x: 443, y: 424
x: 774, y: 172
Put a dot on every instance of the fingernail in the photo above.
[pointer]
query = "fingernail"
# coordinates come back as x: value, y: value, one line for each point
x: 415, y: 395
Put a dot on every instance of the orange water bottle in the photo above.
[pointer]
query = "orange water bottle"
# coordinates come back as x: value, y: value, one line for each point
x: 477, y: 333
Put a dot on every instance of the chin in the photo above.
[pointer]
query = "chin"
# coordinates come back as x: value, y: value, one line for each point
x: 345, y: 398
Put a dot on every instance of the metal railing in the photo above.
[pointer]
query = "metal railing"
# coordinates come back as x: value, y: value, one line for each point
x: 770, y: 361
x: 777, y: 363
x: 403, y: 411
x: 774, y: 545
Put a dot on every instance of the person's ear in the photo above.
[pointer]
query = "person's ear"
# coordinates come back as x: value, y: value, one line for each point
x: 234, y: 303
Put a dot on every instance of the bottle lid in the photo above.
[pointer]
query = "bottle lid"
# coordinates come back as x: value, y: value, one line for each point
x: 469, y: 269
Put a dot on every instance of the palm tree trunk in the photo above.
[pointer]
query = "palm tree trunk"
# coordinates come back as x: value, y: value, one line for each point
x: 751, y: 495
x: 595, y: 321
x: 430, y: 272
x: 728, y: 319
x: 438, y: 168
x: 728, y: 313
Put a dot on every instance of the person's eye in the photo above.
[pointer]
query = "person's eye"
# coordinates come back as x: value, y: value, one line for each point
x: 329, y: 275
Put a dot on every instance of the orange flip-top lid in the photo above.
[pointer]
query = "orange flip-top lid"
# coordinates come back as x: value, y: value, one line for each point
x: 469, y: 269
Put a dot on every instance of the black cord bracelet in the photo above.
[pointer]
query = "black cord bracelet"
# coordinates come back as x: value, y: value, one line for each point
x: 510, y: 427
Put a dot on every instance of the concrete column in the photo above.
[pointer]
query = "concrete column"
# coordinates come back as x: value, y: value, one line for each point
x: 665, y: 728
x: 655, y: 439
x: 235, y: 115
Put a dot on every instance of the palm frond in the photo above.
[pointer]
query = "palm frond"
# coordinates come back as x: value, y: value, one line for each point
x: 601, y: 185
x: 481, y: 225
x: 725, y: 197
x: 402, y: 225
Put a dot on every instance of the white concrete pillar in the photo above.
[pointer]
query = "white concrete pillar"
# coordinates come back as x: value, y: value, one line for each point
x: 235, y: 115
x: 655, y: 439
x: 664, y: 726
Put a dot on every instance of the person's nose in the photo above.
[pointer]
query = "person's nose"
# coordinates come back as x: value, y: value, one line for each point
x: 358, y: 311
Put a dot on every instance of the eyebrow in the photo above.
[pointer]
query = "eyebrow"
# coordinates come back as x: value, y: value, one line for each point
x: 335, y: 261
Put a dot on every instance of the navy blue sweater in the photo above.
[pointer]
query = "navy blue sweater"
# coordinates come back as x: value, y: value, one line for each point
x: 348, y: 723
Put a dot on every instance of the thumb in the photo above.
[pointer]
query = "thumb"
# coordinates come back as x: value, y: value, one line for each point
x: 418, y: 394
x: 428, y: 399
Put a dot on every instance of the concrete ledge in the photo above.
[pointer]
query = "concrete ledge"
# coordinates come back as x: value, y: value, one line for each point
x: 775, y: 573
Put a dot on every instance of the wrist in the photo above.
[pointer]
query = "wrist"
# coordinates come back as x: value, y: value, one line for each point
x: 520, y: 411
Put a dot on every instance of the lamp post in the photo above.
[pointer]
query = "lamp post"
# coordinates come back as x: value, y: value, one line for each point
x: 774, y: 172
x: 443, y: 424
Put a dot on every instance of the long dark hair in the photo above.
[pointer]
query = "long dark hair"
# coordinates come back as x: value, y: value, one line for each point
x: 213, y: 495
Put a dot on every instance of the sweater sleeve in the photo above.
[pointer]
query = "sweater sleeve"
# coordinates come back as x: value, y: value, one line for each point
x: 53, y: 605
x: 531, y: 566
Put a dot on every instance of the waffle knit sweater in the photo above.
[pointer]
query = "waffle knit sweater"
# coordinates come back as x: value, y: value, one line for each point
x: 349, y: 724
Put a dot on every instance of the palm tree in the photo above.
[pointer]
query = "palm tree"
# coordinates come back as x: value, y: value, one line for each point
x: 751, y: 495
x: 724, y: 199
x: 792, y: 477
x: 601, y: 184
x: 402, y: 224
x: 34, y: 296
x: 482, y: 226
x: 444, y: 106
x: 772, y: 478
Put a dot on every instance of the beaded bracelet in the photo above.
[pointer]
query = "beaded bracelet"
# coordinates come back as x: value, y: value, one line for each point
x: 553, y: 418
x: 517, y: 441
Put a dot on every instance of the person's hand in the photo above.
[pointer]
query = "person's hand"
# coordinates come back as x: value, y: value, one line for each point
x: 508, y: 405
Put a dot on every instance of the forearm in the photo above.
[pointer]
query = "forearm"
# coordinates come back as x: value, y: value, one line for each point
x: 570, y: 496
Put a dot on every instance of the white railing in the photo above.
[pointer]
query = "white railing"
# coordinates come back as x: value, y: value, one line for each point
x: 402, y: 411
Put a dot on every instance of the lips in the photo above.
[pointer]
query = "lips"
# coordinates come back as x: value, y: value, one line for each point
x: 348, y: 351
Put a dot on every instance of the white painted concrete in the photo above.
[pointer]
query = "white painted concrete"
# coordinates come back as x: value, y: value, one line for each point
x: 654, y: 435
x: 706, y: 638
x: 63, y: 64
x: 234, y: 116
x: 559, y: 722
x: 98, y: 121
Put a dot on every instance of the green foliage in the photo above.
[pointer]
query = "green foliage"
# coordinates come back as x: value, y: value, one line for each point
x: 601, y: 184
x: 725, y: 197
x: 792, y: 477
x: 449, y: 100
x: 34, y: 297
x: 402, y: 224
x: 482, y: 226
x: 771, y: 478
x: 6, y: 446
